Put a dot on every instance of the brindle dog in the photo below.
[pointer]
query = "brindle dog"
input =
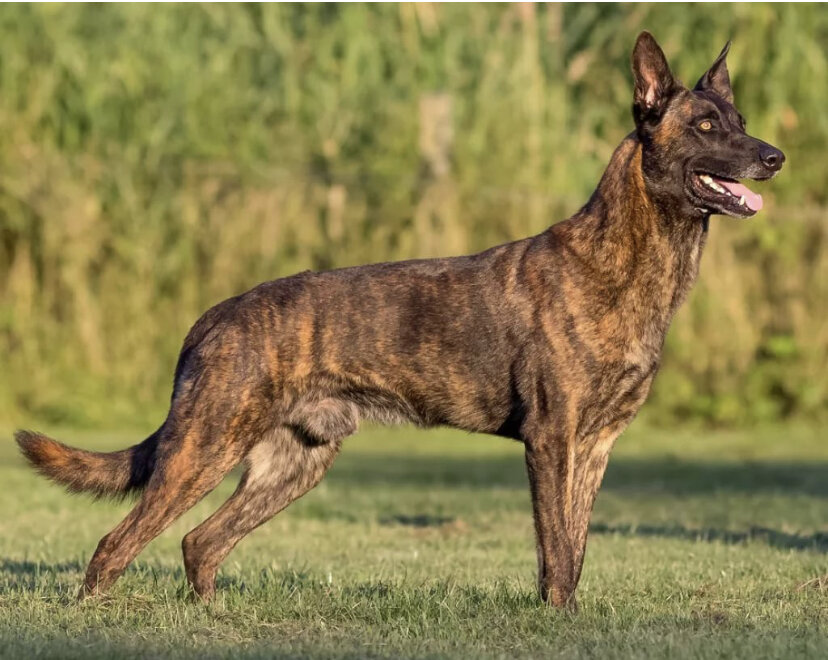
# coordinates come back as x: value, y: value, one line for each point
x: 552, y: 340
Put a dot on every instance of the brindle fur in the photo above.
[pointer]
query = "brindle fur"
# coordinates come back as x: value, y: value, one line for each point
x: 552, y: 340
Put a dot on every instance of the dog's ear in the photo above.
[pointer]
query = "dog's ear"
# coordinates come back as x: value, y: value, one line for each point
x: 717, y: 79
x: 654, y: 83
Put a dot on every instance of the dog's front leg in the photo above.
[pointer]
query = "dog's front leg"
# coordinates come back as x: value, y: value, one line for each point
x: 590, y: 464
x: 550, y: 465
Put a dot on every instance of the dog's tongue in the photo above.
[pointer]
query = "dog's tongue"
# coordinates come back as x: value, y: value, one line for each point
x: 753, y: 201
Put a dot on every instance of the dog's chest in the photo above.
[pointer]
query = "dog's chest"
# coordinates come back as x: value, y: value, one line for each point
x: 601, y: 366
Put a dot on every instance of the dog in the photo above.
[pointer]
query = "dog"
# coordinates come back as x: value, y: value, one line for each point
x: 553, y: 340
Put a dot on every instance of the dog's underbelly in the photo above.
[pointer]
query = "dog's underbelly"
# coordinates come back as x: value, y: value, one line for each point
x: 327, y: 413
x: 331, y: 409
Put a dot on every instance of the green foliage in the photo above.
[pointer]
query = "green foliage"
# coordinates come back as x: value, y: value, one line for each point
x: 154, y: 160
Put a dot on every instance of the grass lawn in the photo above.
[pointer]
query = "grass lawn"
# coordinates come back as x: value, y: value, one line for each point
x: 420, y: 544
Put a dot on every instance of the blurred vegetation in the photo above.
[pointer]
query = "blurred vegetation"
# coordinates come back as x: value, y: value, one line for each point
x: 155, y: 160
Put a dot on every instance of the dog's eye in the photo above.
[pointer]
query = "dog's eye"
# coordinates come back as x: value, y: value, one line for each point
x: 706, y: 125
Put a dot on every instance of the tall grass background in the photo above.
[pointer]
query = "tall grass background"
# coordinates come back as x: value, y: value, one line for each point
x: 157, y: 159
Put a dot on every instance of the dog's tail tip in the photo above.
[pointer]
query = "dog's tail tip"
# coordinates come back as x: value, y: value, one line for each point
x: 37, y: 448
x: 112, y: 474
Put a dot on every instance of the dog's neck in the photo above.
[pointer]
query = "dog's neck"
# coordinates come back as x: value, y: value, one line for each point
x: 632, y: 241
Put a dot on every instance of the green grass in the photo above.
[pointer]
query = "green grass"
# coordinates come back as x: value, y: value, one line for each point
x: 420, y: 545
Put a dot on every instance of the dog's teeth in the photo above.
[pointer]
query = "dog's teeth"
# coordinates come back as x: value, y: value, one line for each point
x: 742, y: 200
x: 710, y: 183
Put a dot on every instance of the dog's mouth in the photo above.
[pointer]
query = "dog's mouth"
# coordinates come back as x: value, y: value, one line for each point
x: 724, y: 195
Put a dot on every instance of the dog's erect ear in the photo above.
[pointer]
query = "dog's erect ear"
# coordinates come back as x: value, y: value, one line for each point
x: 717, y: 79
x: 654, y: 83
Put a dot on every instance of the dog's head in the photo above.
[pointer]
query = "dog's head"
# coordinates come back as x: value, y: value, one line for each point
x: 695, y: 147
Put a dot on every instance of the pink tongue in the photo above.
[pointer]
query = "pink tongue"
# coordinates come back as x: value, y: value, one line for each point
x: 753, y: 201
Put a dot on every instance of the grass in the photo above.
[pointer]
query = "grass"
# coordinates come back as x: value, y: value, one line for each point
x: 420, y: 545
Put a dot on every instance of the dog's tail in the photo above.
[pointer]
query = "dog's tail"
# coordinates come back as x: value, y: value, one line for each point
x: 115, y: 474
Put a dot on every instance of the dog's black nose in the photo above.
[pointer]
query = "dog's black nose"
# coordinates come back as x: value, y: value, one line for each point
x: 771, y: 157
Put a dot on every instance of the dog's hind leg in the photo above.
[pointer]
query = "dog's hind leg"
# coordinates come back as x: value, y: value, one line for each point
x: 188, y: 466
x: 280, y: 469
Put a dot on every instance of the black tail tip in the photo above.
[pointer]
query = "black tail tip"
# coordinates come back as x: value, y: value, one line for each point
x: 25, y: 439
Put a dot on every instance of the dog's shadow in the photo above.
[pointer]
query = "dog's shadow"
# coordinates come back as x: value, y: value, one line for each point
x: 63, y: 577
x: 25, y: 567
x: 37, y: 576
x: 422, y: 520
x: 817, y: 542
